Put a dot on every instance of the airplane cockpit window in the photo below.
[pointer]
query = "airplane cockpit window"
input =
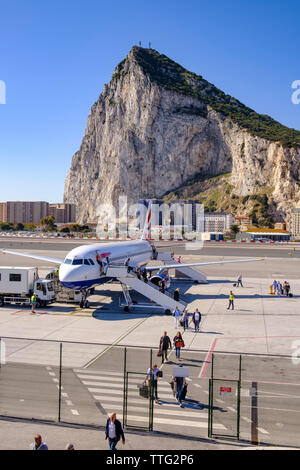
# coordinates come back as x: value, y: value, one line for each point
x: 86, y: 261
x: 77, y: 262
x: 68, y: 261
x: 91, y: 261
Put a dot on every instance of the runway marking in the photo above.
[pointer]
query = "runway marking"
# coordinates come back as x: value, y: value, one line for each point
x: 55, y: 380
x: 175, y: 422
x: 75, y: 412
x: 69, y: 403
x: 207, y: 359
x: 64, y: 394
x: 161, y: 411
x: 120, y: 392
x: 246, y: 419
x: 231, y: 409
x: 262, y: 430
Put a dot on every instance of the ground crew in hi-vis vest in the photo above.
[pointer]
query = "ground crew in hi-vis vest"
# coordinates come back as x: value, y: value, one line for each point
x: 231, y: 299
x: 33, y: 302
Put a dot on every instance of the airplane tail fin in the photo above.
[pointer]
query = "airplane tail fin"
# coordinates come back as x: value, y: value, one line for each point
x: 147, y: 226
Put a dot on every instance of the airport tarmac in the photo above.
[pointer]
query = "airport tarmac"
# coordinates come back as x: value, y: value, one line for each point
x: 260, y: 327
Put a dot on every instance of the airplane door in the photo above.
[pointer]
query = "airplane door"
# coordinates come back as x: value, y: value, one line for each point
x: 100, y: 262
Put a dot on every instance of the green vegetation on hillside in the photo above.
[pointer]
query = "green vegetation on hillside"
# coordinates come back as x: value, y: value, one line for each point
x: 172, y: 76
x: 218, y: 195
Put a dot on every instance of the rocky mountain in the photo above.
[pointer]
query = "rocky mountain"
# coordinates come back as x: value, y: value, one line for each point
x: 158, y: 130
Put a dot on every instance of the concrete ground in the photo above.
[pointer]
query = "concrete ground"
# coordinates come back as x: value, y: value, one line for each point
x: 261, y: 327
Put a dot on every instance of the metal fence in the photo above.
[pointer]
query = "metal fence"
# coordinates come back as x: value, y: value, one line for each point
x: 252, y: 397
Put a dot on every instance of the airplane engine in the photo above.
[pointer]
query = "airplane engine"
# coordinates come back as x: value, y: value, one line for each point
x: 157, y: 278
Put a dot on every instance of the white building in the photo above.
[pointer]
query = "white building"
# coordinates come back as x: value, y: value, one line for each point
x: 217, y: 222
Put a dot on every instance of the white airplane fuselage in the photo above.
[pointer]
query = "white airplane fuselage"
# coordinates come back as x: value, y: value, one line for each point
x: 85, y: 266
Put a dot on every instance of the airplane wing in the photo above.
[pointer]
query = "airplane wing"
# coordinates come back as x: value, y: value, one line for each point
x: 189, y: 265
x: 27, y: 255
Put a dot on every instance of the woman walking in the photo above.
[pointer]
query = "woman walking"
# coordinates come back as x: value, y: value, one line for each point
x: 178, y: 344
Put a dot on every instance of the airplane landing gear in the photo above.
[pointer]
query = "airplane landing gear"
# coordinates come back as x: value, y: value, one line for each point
x: 84, y: 303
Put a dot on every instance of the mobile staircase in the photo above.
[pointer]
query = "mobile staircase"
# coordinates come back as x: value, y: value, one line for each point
x: 147, y: 289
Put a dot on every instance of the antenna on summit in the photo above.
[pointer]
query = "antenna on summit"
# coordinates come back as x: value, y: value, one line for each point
x: 149, y: 45
x: 140, y: 43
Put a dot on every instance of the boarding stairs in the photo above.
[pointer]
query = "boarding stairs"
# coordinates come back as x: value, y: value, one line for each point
x: 186, y: 272
x: 147, y: 289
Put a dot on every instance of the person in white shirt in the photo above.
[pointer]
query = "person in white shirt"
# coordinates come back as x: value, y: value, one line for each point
x: 177, y: 315
x: 239, y: 281
x: 152, y: 380
x: 197, y: 319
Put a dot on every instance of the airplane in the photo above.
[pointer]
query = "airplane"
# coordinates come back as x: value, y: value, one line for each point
x: 85, y: 267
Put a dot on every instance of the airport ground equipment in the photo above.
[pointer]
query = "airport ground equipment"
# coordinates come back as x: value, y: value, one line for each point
x: 147, y: 289
x: 18, y: 284
x: 184, y: 272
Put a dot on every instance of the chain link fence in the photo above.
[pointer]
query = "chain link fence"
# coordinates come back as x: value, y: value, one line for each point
x: 83, y: 383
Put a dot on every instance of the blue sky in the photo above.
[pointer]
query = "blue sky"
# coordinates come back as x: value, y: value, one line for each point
x: 56, y: 57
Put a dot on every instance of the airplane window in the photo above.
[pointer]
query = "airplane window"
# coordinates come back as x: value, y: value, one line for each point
x: 86, y: 261
x: 77, y: 261
x: 68, y: 261
x: 91, y: 261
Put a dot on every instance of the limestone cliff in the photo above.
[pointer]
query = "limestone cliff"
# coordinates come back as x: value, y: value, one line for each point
x: 156, y: 126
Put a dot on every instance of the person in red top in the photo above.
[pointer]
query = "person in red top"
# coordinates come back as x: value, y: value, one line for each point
x: 178, y: 343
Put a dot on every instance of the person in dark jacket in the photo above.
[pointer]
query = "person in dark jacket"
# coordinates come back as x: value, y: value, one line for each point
x: 178, y: 344
x: 176, y: 295
x: 164, y: 345
x: 114, y: 431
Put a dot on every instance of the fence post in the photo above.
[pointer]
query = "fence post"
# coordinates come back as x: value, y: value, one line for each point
x: 59, y: 386
x: 239, y: 398
x: 124, y: 385
x: 254, y: 414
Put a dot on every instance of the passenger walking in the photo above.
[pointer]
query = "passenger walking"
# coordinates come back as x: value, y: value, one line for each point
x: 274, y: 287
x: 176, y: 294
x: 164, y: 345
x: 144, y: 274
x: 114, y: 431
x: 177, y: 316
x: 178, y: 344
x: 196, y: 319
x: 38, y: 443
x: 286, y: 288
x: 185, y: 320
x: 162, y: 286
x: 239, y: 281
x: 179, y: 383
x: 231, y: 299
x: 279, y: 288
x: 152, y: 376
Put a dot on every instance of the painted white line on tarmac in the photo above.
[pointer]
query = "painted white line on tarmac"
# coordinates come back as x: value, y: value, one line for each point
x: 120, y: 392
x: 231, y: 409
x: 246, y: 419
x: 160, y: 411
x: 74, y: 412
x: 111, y: 385
x: 262, y: 430
x: 69, y: 403
x: 174, y: 422
x: 52, y: 374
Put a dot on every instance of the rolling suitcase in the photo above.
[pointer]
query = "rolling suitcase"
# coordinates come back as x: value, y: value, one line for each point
x: 143, y: 391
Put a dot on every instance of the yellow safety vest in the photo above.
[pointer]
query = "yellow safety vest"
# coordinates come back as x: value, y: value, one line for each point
x: 231, y: 297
